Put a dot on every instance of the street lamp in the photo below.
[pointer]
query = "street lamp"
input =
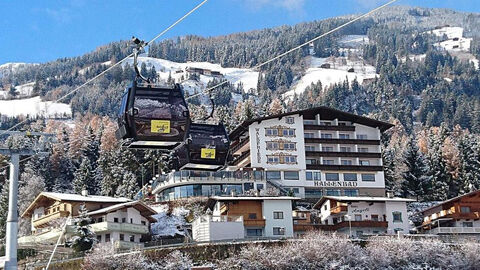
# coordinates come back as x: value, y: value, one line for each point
x: 349, y: 224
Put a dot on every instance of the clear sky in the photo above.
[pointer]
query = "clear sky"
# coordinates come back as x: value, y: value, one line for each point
x: 38, y: 31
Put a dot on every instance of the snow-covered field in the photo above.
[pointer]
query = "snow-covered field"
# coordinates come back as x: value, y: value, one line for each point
x: 8, y: 68
x: 337, y: 72
x: 33, y: 107
x: 24, y: 90
x: 449, y: 31
x: 167, y: 225
x: 167, y: 68
x: 353, y: 41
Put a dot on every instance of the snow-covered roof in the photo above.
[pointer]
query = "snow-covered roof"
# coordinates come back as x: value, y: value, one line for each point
x: 451, y: 200
x: 72, y: 198
x: 144, y: 209
x: 361, y: 199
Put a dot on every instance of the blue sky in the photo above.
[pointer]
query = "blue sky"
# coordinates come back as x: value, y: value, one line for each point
x: 40, y: 31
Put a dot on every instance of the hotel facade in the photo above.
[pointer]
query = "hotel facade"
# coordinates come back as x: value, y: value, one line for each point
x: 314, y: 152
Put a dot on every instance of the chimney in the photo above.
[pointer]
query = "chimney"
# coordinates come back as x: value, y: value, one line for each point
x: 85, y: 192
x: 389, y: 194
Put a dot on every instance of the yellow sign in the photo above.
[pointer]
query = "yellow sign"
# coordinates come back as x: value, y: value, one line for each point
x: 160, y: 126
x: 207, y: 153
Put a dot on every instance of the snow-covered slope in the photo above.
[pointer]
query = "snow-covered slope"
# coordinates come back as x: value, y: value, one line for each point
x: 353, y: 41
x: 168, y: 225
x: 166, y: 68
x: 8, y: 68
x: 33, y: 107
x: 330, y: 71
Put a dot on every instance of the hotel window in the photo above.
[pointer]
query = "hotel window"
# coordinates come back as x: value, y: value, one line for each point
x: 344, y: 136
x: 100, y: 219
x: 289, y: 146
x: 313, y: 193
x: 254, y: 232
x: 313, y: 176
x: 295, y: 190
x: 115, y: 220
x: 252, y: 216
x: 331, y: 176
x: 375, y: 217
x: 132, y: 238
x: 349, y: 177
x: 351, y: 192
x: 368, y: 177
x: 361, y: 136
x: 328, y: 162
x: 363, y: 149
x: 278, y: 231
x: 273, y: 159
x: 122, y: 237
x: 290, y: 175
x: 309, y: 122
x: 327, y: 148
x: 143, y: 222
x: 272, y: 146
x: 311, y: 161
x: 397, y: 216
x: 345, y: 149
x: 277, y: 215
x: 124, y: 220
x: 99, y: 238
x: 273, y: 175
x: 346, y: 162
x: 465, y: 209
x: 290, y: 120
x: 365, y: 162
x: 289, y: 132
x: 309, y: 148
x: 271, y: 131
x: 290, y: 159
x: 326, y: 136
x: 468, y: 224
x: 309, y: 135
x: 107, y: 238
x: 358, y: 217
x: 333, y: 192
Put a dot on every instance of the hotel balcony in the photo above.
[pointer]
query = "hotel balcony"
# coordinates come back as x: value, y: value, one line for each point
x: 342, y: 141
x: 240, y: 147
x: 45, y: 220
x: 254, y: 222
x: 454, y: 230
x: 362, y: 224
x: 363, y: 168
x: 325, y: 127
x: 310, y: 227
x: 342, y: 154
x: 108, y: 226
x: 339, y: 209
x: 238, y: 160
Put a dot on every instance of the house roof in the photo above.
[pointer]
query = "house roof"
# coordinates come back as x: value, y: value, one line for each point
x: 65, y: 197
x: 360, y: 199
x: 212, y: 200
x: 144, y: 209
x: 451, y: 200
x: 326, y: 113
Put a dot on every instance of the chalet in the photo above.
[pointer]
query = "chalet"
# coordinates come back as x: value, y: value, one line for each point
x: 459, y: 215
x: 243, y: 217
x: 357, y: 216
x: 117, y: 220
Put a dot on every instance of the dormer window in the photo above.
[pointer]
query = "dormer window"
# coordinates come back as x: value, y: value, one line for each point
x: 290, y: 120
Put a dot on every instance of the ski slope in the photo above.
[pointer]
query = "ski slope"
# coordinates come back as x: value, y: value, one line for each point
x: 33, y: 107
x: 166, y: 68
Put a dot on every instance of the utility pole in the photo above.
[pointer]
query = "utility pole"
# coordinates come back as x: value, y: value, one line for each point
x: 12, y: 217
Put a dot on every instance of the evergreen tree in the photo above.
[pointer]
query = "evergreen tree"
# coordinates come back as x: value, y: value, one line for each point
x: 84, y: 237
x: 3, y: 211
x: 469, y: 164
x: 128, y: 187
x: 414, y: 179
x: 84, y: 178
x: 30, y: 186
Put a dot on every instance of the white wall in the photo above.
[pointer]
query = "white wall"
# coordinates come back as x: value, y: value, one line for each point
x: 204, y: 229
x: 131, y: 213
x: 285, y: 206
x: 397, y: 207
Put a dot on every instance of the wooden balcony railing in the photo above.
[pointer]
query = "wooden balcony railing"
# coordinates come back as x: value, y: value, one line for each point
x: 44, y: 220
x: 254, y: 222
x: 239, y: 145
x: 363, y: 223
x: 325, y: 127
x: 339, y: 209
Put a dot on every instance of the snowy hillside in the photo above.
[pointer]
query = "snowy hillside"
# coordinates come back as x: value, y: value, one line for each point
x: 166, y: 68
x: 8, y: 68
x: 353, y: 41
x: 33, y: 107
x: 24, y: 90
x: 330, y: 71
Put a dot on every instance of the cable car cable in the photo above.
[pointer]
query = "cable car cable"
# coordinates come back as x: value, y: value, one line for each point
x: 300, y: 46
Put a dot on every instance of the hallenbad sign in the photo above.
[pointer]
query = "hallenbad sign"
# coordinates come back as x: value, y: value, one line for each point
x: 334, y: 184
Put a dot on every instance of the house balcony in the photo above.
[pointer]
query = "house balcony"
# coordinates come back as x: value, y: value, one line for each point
x: 342, y: 154
x: 238, y: 160
x: 342, y: 141
x: 310, y: 227
x: 339, y: 209
x: 108, y: 226
x: 45, y: 220
x: 455, y: 230
x: 242, y: 146
x: 126, y: 245
x: 254, y: 222
x: 363, y: 168
x: 361, y: 224
x: 325, y: 127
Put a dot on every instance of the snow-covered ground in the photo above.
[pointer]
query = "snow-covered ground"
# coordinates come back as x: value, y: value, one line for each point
x: 33, y: 107
x: 353, y: 41
x: 24, y: 90
x: 449, y: 31
x: 8, y: 68
x: 337, y: 72
x: 167, y: 225
x: 166, y: 68
x: 413, y: 57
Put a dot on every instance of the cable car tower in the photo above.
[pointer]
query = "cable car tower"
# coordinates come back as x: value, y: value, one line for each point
x: 154, y: 116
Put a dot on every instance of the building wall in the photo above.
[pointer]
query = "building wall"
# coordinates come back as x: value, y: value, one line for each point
x: 285, y: 206
x: 131, y: 215
x: 204, y: 229
x: 244, y: 208
x: 397, y: 207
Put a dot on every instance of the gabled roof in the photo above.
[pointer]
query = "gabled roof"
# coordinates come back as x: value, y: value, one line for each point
x: 65, y: 197
x: 359, y: 199
x: 326, y: 113
x: 451, y: 200
x: 144, y: 209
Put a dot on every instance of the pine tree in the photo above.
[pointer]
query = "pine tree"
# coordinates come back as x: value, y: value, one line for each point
x: 469, y: 164
x: 84, y: 237
x: 276, y: 107
x: 84, y: 178
x: 128, y: 187
x: 30, y: 186
x: 3, y: 211
x: 414, y: 178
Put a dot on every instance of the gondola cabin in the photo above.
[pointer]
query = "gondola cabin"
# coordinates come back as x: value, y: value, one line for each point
x: 153, y: 117
x: 207, y: 148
